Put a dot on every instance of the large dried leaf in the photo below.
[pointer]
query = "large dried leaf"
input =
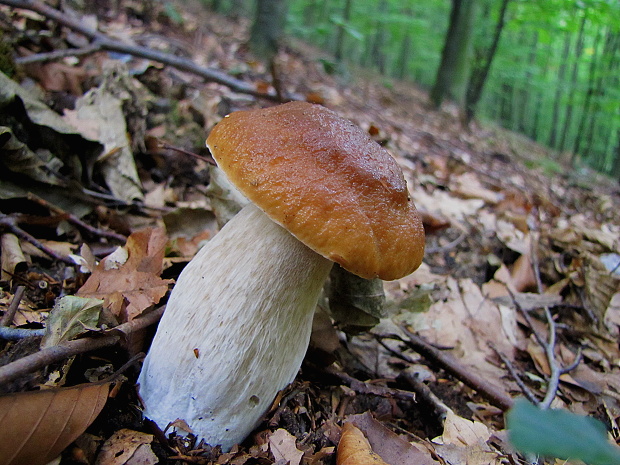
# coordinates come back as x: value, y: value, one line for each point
x: 284, y: 448
x: 130, y: 284
x: 127, y: 447
x: 354, y: 448
x: 38, y: 425
x: 388, y: 445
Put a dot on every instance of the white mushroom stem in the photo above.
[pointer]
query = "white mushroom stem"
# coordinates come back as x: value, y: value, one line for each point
x: 235, y: 330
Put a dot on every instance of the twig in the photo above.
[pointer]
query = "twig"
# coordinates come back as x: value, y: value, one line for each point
x: 15, y: 334
x: 9, y: 223
x: 75, y: 220
x: 493, y: 394
x: 555, y: 370
x: 439, y: 407
x: 167, y: 146
x: 362, y: 387
x: 107, y: 43
x: 513, y: 372
x: 11, y: 310
x: 44, y: 357
x: 57, y: 55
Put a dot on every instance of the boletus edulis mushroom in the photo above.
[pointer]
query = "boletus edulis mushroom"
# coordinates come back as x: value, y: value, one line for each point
x: 238, y: 320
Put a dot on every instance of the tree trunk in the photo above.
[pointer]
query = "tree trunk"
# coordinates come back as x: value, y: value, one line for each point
x: 346, y: 15
x: 268, y: 27
x: 559, y: 90
x: 400, y: 70
x: 377, y: 53
x: 452, y: 71
x: 479, y: 75
x: 573, y: 83
x: 588, y: 102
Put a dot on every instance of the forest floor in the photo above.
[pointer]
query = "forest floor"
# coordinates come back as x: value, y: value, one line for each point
x: 513, y: 238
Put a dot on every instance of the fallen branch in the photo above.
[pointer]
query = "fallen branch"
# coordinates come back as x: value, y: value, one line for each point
x: 75, y: 220
x: 11, y: 310
x: 10, y: 223
x: 106, y: 43
x: 57, y: 55
x: 45, y: 357
x: 493, y: 394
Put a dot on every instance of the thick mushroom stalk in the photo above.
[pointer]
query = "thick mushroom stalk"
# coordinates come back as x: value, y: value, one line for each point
x: 235, y: 330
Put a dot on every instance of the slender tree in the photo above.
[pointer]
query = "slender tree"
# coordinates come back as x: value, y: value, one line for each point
x: 452, y: 71
x: 268, y: 27
x: 568, y: 117
x: 481, y: 72
x: 340, y: 33
x: 559, y: 90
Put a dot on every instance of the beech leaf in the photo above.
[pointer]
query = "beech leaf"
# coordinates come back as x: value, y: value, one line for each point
x: 354, y: 448
x: 38, y: 425
x: 132, y: 284
x: 70, y: 317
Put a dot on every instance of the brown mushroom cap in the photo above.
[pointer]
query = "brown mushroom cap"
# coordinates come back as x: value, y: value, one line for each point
x: 324, y: 180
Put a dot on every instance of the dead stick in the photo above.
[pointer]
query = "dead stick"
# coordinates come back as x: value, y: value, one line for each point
x: 44, y: 357
x: 110, y: 44
x: 57, y: 55
x: 493, y: 394
x: 362, y: 387
x: 7, y: 318
x: 75, y: 220
x: 9, y: 223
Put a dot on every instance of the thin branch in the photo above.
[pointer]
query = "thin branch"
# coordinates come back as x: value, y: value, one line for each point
x: 107, y: 43
x: 439, y: 407
x: 493, y: 394
x: 11, y: 310
x: 75, y: 220
x: 47, y: 356
x: 57, y: 55
x: 9, y: 223
x: 513, y: 372
x: 362, y: 387
x: 15, y: 334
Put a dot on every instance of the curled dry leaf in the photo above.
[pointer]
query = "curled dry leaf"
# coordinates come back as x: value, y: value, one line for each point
x: 38, y: 425
x: 354, y: 448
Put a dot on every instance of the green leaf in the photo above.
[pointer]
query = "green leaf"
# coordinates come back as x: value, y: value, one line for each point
x: 560, y: 434
x: 70, y: 317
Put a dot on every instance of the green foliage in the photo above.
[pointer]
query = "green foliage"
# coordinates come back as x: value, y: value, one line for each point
x: 567, y: 99
x: 560, y: 434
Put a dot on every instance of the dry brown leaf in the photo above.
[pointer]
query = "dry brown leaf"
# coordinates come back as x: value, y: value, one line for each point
x: 12, y: 255
x: 465, y: 441
x: 522, y: 272
x: 392, y: 448
x: 38, y: 425
x: 127, y: 447
x: 469, y: 186
x: 354, y: 448
x: 284, y: 448
x: 133, y: 285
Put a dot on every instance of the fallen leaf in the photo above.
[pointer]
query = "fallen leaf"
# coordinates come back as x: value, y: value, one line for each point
x: 468, y: 186
x: 127, y: 447
x: 388, y: 445
x: 283, y: 447
x: 354, y: 448
x: 134, y: 284
x: 70, y: 317
x: 39, y: 425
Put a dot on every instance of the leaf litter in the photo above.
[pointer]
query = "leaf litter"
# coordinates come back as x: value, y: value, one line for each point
x: 505, y: 242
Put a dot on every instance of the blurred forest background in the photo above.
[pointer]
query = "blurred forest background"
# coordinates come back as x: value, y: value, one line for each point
x: 547, y: 69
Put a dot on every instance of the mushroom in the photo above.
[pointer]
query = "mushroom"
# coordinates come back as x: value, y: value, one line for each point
x: 238, y: 320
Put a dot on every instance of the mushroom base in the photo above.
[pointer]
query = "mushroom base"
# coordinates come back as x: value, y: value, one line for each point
x: 235, y: 330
